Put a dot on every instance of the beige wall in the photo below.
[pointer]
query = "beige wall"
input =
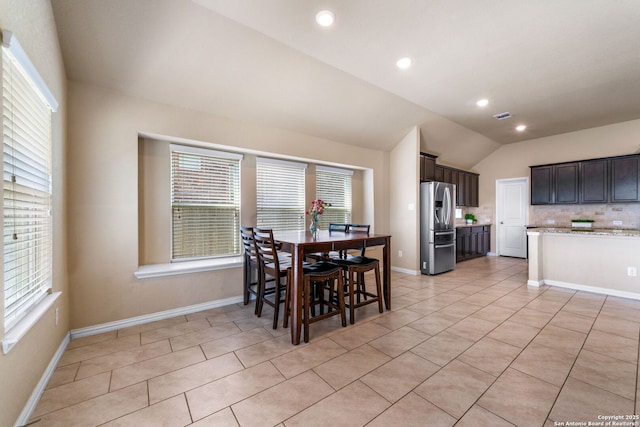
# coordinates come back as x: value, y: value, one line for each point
x: 103, y: 203
x: 513, y: 160
x: 22, y: 368
x: 154, y: 193
x: 404, y: 191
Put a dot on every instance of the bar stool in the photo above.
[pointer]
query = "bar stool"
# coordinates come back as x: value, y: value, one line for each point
x: 355, y: 267
x: 251, y: 265
x: 319, y: 278
x: 269, y: 264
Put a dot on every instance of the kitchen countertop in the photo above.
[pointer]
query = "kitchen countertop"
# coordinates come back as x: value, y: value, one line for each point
x: 596, y: 231
x: 471, y: 225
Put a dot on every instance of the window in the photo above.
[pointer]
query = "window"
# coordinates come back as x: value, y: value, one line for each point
x: 334, y: 186
x: 27, y: 237
x: 280, y: 194
x: 205, y: 203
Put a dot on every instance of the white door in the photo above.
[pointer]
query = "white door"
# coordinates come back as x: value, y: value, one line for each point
x: 512, y: 206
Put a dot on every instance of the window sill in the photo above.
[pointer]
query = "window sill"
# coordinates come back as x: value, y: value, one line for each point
x: 171, y: 269
x: 21, y: 328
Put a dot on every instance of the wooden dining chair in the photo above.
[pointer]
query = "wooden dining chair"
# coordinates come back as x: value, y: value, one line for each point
x: 355, y: 267
x: 271, y: 269
x: 251, y: 266
x: 321, y: 282
x: 319, y: 256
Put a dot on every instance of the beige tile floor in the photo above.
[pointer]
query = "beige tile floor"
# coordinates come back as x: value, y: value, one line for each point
x: 473, y: 347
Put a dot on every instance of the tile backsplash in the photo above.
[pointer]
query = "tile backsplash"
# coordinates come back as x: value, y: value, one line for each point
x: 603, y: 215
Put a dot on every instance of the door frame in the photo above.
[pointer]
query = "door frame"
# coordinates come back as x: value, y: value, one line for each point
x: 498, y: 228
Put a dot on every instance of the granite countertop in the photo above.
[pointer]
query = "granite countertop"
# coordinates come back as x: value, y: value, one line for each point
x: 596, y: 231
x: 471, y: 225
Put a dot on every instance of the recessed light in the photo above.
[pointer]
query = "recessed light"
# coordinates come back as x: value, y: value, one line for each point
x: 325, y: 18
x: 404, y: 63
x: 482, y: 102
x: 520, y: 128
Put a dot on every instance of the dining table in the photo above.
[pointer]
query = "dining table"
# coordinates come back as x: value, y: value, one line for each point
x: 301, y: 243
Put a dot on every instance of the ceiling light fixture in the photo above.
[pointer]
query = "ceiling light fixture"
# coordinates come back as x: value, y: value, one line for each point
x: 404, y: 63
x: 482, y: 102
x: 520, y: 128
x: 325, y: 18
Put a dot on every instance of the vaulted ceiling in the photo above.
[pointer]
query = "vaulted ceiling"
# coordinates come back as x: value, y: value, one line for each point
x: 555, y: 65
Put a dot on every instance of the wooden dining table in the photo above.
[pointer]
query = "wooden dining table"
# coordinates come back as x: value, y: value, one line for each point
x: 301, y: 243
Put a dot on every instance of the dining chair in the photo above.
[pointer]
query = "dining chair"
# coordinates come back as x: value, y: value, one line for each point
x: 332, y: 228
x: 355, y: 267
x: 321, y: 281
x: 271, y: 269
x: 251, y: 266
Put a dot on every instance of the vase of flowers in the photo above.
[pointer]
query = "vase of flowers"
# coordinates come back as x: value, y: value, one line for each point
x: 317, y: 208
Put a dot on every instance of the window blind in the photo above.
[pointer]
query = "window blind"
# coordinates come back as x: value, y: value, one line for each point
x: 280, y: 194
x: 334, y: 186
x: 205, y: 202
x: 27, y: 192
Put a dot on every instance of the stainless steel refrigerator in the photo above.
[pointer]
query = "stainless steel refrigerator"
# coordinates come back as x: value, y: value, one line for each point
x: 437, y: 230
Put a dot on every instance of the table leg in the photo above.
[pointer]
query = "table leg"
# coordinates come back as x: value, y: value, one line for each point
x: 296, y: 293
x: 386, y: 263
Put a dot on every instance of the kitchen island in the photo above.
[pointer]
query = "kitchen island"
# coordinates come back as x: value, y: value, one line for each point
x: 600, y: 260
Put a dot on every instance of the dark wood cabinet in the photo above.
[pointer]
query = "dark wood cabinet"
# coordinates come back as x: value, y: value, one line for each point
x: 427, y: 167
x: 566, y: 183
x: 467, y: 183
x: 542, y: 185
x: 472, y: 242
x: 606, y: 180
x: 625, y: 179
x: 594, y: 181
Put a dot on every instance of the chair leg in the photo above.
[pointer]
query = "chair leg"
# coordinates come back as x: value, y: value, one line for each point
x: 379, y: 288
x: 306, y: 298
x: 260, y: 292
x: 287, y: 301
x: 351, y: 301
x: 340, y: 287
x: 276, y: 304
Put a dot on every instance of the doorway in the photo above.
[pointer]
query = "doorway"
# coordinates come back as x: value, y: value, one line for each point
x: 512, y: 215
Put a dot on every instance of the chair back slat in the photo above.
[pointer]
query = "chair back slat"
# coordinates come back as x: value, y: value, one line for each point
x: 342, y: 228
x: 246, y: 234
x: 358, y: 228
x: 266, y: 247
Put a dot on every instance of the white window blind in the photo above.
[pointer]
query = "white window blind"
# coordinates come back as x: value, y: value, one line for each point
x: 280, y: 194
x: 27, y: 227
x: 334, y: 186
x: 205, y: 202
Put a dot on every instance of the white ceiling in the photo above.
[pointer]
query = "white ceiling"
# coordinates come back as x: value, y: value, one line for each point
x: 555, y: 65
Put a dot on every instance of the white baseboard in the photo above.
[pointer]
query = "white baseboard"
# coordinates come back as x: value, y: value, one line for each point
x: 405, y: 271
x: 25, y: 415
x: 492, y: 254
x: 594, y: 289
x: 536, y: 283
x: 161, y: 315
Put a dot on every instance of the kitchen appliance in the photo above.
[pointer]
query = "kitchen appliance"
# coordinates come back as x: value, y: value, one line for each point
x: 437, y: 231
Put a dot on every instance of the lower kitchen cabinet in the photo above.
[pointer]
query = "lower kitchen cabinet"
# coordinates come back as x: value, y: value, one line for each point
x: 472, y: 242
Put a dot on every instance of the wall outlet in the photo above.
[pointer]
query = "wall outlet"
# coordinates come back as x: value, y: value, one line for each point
x: 551, y: 221
x: 632, y: 271
x: 399, y: 254
x: 57, y: 315
x: 617, y: 222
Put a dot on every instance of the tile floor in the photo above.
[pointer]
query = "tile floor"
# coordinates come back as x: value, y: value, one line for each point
x: 473, y: 347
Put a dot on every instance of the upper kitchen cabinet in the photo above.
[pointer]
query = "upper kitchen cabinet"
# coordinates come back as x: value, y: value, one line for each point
x: 542, y: 185
x: 594, y: 181
x: 625, y: 179
x: 566, y: 183
x: 427, y: 167
x: 466, y: 183
x: 607, y: 180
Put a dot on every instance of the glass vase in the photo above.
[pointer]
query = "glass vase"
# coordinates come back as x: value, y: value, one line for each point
x: 313, y: 228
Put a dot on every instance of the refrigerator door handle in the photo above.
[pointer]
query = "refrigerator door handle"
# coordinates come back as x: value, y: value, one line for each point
x: 447, y: 205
